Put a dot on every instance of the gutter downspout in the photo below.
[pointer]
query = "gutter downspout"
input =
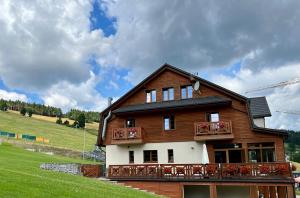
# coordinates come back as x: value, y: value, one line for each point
x: 105, y: 125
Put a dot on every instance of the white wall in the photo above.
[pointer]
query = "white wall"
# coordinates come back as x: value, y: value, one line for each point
x: 260, y: 122
x: 184, y: 152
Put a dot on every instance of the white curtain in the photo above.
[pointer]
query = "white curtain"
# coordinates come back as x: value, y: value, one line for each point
x: 205, y: 159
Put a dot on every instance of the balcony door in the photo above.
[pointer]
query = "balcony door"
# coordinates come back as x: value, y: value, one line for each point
x: 231, y: 153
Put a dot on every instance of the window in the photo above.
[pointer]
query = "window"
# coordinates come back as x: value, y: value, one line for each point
x: 168, y: 94
x: 131, y: 157
x: 169, y: 123
x: 186, y: 92
x: 170, y: 156
x: 261, y: 152
x: 213, y: 117
x: 130, y: 122
x: 150, y: 156
x: 151, y: 96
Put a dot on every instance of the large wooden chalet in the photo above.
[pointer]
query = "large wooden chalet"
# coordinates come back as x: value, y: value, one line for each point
x: 179, y: 135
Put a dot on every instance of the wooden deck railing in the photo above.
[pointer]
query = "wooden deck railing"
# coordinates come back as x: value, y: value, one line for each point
x: 236, y: 171
x: 127, y: 135
x: 213, y: 128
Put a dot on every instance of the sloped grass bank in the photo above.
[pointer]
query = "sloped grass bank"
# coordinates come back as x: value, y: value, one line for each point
x: 20, y: 176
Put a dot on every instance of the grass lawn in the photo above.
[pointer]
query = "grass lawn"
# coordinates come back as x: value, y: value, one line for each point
x: 20, y: 176
x: 59, y: 135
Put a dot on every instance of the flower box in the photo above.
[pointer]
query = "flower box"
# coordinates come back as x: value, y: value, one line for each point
x: 197, y: 170
x: 180, y: 170
x: 244, y: 170
x: 264, y: 169
x: 167, y: 170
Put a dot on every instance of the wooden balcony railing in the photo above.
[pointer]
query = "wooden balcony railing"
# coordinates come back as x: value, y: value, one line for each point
x: 230, y: 171
x: 127, y: 135
x: 213, y: 130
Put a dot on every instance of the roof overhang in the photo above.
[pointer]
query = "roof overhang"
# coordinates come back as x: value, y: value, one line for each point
x: 193, y: 103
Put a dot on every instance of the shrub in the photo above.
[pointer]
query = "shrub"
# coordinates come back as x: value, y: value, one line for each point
x: 59, y: 121
x: 23, y: 111
x: 66, y: 122
x: 30, y: 112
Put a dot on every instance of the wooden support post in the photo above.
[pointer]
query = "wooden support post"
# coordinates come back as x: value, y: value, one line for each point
x: 291, y: 191
x: 253, y: 192
x: 266, y: 191
x: 272, y: 191
x: 281, y: 190
x: 213, y: 191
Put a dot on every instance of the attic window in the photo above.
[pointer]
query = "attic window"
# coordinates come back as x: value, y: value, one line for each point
x: 168, y: 94
x: 186, y: 92
x: 151, y: 96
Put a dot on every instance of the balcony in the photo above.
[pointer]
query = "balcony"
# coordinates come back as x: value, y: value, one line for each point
x: 246, y: 172
x: 132, y: 135
x: 213, y: 131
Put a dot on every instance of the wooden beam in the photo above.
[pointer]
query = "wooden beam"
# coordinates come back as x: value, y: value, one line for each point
x: 291, y: 191
x: 253, y: 192
x: 213, y: 191
x: 281, y: 190
x: 272, y: 191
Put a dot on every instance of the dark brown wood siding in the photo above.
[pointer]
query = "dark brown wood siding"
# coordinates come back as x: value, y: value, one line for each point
x: 152, y: 124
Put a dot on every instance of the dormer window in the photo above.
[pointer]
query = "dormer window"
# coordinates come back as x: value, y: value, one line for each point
x: 151, y: 96
x: 168, y: 94
x: 186, y: 92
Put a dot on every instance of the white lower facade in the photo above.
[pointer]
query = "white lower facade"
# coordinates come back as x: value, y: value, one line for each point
x: 184, y: 152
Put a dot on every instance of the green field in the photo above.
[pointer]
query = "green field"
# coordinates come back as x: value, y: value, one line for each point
x: 59, y: 135
x: 20, y: 176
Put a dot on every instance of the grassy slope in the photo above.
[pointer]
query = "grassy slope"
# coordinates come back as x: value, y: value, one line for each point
x: 21, y: 177
x: 59, y: 136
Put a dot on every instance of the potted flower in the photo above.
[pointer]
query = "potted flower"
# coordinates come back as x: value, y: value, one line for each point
x: 210, y: 169
x: 167, y: 170
x: 244, y: 170
x: 282, y: 168
x: 264, y: 169
x: 231, y: 169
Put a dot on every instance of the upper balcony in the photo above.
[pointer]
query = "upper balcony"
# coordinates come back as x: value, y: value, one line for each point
x: 132, y: 135
x: 239, y: 172
x: 221, y: 130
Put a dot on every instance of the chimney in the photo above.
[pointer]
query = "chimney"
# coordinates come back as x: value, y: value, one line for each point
x: 109, y: 100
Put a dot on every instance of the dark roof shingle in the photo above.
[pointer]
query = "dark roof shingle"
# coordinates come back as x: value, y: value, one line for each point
x: 259, y: 107
x: 193, y: 102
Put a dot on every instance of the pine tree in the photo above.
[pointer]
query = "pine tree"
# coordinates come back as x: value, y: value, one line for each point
x: 81, y: 120
x: 23, y: 111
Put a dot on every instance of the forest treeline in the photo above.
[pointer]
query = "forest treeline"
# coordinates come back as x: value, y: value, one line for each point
x: 45, y: 110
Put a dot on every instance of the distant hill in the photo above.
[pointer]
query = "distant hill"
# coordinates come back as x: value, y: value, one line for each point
x: 59, y: 135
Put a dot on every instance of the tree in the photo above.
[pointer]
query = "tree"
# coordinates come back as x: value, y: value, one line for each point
x: 23, y: 111
x: 59, y: 121
x: 81, y: 120
x: 30, y: 112
x: 3, y: 105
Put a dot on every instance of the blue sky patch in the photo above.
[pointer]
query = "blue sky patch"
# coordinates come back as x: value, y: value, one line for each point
x: 99, y: 20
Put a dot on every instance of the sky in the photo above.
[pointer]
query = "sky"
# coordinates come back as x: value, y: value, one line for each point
x: 76, y: 54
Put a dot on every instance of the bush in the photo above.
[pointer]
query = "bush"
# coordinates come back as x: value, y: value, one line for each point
x: 23, y: 111
x: 3, y: 105
x: 66, y: 122
x: 75, y: 124
x: 30, y: 112
x: 59, y: 121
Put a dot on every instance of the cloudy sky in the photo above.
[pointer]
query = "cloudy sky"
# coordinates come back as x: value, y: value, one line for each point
x: 75, y: 54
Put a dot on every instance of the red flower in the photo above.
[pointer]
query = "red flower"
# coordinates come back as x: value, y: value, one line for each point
x: 210, y: 169
x: 221, y: 125
x: 264, y: 169
x: 231, y: 169
x: 168, y: 170
x: 244, y: 170
x: 282, y: 169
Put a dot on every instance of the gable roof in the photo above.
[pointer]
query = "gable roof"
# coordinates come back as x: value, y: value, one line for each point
x: 178, y: 71
x: 259, y: 107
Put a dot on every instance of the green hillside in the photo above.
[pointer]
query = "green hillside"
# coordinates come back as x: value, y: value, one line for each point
x: 59, y: 135
x: 21, y: 177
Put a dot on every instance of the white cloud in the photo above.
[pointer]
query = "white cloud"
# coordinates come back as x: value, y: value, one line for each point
x: 79, y: 96
x: 280, y: 99
x: 7, y: 95
x: 44, y: 42
x: 201, y: 34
